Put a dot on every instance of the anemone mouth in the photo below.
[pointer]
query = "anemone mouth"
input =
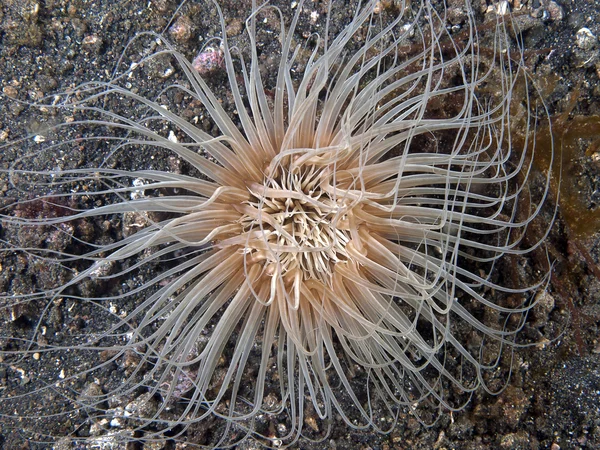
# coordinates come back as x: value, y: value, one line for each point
x: 297, y: 221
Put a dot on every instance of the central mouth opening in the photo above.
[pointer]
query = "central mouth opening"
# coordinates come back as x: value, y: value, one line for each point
x: 299, y: 220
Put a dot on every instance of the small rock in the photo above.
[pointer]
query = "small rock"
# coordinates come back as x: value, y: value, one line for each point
x: 544, y: 304
x: 208, y: 61
x: 234, y: 28
x: 145, y: 406
x: 182, y: 29
x: 153, y: 445
x: 92, y: 43
x: 10, y: 91
x: 515, y: 440
x: 134, y: 221
x: 555, y: 10
x: 160, y: 5
x: 311, y: 422
x: 585, y: 39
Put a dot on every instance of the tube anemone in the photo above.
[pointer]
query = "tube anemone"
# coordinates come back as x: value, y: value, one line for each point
x: 333, y: 247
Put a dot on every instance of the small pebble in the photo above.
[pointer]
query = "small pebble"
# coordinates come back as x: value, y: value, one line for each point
x: 208, y: 61
x: 92, y: 42
x: 585, y: 39
x: 555, y: 10
x: 182, y: 30
x: 10, y: 91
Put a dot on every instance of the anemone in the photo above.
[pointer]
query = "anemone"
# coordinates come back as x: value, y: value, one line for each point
x: 333, y: 247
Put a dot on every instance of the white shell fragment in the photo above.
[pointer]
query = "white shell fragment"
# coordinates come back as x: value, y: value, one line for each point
x: 586, y: 40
